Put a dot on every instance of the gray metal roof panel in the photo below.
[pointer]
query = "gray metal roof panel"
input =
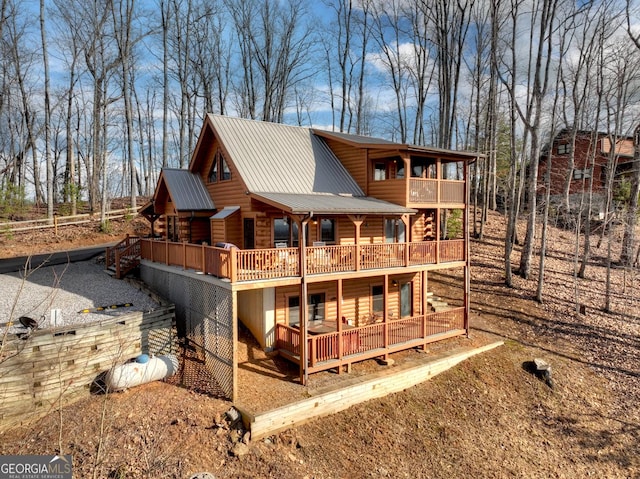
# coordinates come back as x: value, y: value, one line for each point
x: 386, y: 144
x: 225, y: 212
x: 187, y: 190
x: 334, y: 204
x: 277, y: 157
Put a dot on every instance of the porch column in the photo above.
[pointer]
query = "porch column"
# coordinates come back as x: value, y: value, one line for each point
x: 407, y: 231
x: 385, y: 294
x: 357, y: 221
x: 437, y: 235
x: 423, y: 306
x: 467, y: 259
x: 304, y: 353
x: 339, y: 319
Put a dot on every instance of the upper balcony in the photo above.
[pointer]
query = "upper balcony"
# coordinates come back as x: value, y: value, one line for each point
x: 431, y: 181
x: 238, y: 265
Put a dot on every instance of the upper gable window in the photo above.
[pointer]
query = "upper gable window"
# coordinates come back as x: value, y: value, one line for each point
x: 564, y: 149
x: 219, y: 169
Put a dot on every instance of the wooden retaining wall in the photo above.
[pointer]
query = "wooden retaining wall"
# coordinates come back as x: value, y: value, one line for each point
x: 324, y: 403
x: 57, y: 366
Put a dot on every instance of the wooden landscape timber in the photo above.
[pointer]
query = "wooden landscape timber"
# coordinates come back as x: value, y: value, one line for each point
x: 50, y: 367
x: 323, y: 403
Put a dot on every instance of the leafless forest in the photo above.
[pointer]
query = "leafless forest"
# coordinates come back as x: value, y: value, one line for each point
x: 97, y: 96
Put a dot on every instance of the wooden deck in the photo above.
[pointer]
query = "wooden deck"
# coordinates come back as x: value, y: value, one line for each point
x: 335, y: 349
x: 239, y: 265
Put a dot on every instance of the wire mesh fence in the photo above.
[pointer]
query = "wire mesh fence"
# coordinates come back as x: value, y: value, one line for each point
x: 204, y: 318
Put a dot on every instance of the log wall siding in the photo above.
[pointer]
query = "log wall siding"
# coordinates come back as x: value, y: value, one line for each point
x: 200, y: 230
x: 224, y: 193
x: 356, y: 298
x: 393, y: 191
x: 354, y: 160
x: 59, y: 365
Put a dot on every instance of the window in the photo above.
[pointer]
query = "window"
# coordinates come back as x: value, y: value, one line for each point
x: 564, y: 149
x: 316, y: 307
x: 394, y: 231
x: 582, y: 174
x: 423, y: 167
x: 380, y: 172
x: 294, y: 310
x: 377, y: 299
x: 213, y: 174
x: 328, y: 230
x: 219, y: 164
x: 285, y: 231
x: 405, y: 300
x: 226, y: 172
x: 281, y: 231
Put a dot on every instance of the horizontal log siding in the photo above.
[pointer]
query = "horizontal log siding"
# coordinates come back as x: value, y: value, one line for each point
x: 283, y: 293
x: 393, y: 191
x: 223, y: 193
x: 218, y: 231
x: 353, y: 159
x: 263, y: 235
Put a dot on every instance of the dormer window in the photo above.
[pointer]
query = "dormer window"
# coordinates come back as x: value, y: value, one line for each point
x: 219, y: 169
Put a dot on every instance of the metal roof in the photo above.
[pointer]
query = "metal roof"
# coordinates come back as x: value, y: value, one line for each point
x: 331, y: 204
x: 273, y: 157
x: 225, y: 212
x: 368, y: 141
x: 187, y: 190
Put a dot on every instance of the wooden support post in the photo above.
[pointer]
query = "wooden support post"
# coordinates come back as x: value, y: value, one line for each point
x: 304, y: 353
x: 233, y: 266
x: 166, y: 250
x: 204, y: 258
x: 385, y: 302
x: 184, y: 254
x: 467, y: 260
x: 407, y: 231
x: 339, y: 321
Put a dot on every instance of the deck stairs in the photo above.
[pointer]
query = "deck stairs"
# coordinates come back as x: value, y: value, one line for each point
x: 436, y: 304
x: 123, y: 257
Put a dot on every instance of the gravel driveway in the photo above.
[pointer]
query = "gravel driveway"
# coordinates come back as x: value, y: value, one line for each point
x: 69, y: 288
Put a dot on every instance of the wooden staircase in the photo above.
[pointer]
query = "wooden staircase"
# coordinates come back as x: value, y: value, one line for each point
x: 123, y: 257
x: 436, y: 303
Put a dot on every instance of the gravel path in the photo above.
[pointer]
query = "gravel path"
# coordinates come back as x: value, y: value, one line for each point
x: 70, y: 288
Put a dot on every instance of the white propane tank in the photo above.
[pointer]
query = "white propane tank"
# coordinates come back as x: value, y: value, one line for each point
x: 132, y: 374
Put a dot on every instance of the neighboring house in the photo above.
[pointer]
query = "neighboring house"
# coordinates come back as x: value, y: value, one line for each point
x: 316, y: 234
x: 592, y: 153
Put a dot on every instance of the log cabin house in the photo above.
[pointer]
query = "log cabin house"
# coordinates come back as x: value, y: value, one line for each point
x: 319, y: 235
x: 587, y: 161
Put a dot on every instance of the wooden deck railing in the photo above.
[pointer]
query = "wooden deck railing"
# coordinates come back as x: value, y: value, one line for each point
x: 272, y: 263
x: 425, y: 190
x: 369, y: 341
x: 129, y: 246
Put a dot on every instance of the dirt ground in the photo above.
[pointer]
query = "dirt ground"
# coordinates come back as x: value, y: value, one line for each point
x: 487, y: 417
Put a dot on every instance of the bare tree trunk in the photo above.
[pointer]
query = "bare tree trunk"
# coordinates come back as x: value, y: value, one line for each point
x: 47, y: 115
